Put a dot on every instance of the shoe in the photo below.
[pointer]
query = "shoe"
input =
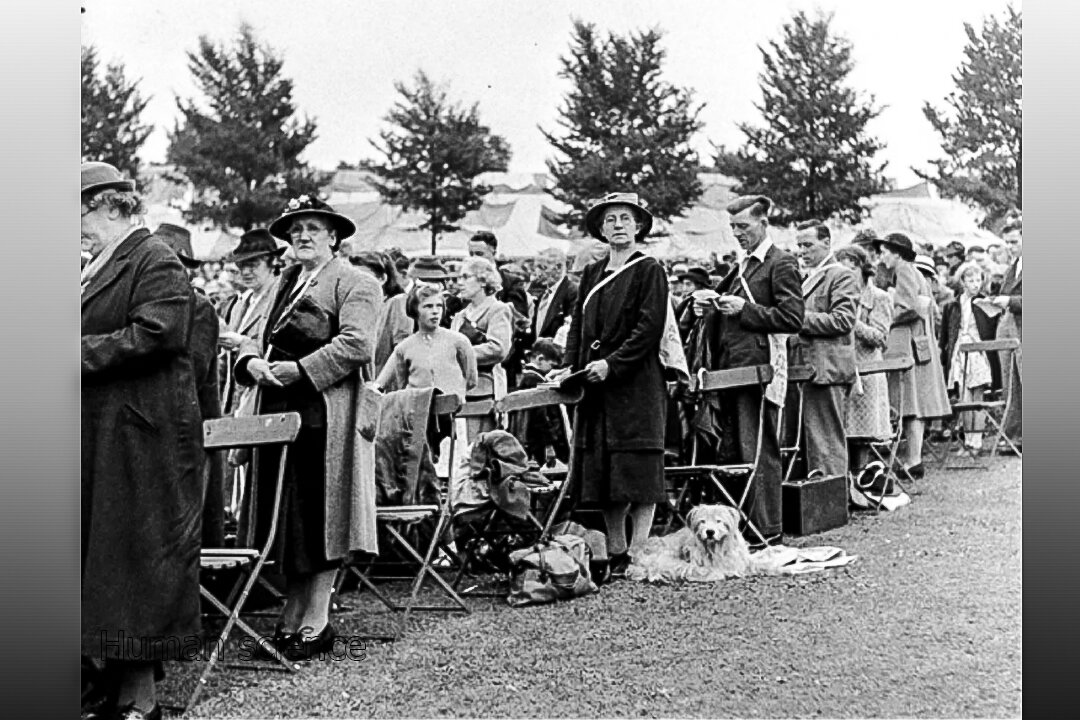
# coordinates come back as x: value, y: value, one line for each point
x: 619, y: 564
x: 916, y: 471
x: 278, y: 641
x: 300, y: 648
x: 129, y: 712
x: 600, y: 571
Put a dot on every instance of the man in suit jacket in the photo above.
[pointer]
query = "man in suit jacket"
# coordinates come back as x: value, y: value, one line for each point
x: 831, y: 297
x: 1011, y: 324
x: 761, y: 296
x: 559, y: 296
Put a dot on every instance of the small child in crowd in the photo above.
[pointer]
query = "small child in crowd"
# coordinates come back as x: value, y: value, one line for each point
x: 540, y: 430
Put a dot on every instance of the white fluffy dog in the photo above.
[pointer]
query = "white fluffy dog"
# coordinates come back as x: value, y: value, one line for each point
x: 710, y: 548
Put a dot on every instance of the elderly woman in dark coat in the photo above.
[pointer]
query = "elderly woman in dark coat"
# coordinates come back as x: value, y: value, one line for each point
x: 142, y: 489
x: 315, y: 352
x: 615, y: 336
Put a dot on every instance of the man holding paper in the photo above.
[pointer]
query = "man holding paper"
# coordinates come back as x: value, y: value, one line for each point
x: 746, y: 319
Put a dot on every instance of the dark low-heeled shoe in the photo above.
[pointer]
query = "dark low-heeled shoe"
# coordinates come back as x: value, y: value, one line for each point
x: 619, y: 564
x: 278, y: 641
x: 304, y: 648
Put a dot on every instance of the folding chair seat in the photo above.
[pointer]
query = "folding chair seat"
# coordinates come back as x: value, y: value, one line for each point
x: 885, y: 451
x: 491, y: 522
x: 798, y: 376
x: 246, y: 559
x: 987, y: 408
x: 723, y: 479
x: 400, y: 523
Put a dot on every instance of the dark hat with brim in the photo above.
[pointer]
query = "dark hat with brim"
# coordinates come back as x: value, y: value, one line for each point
x: 310, y: 205
x: 179, y: 240
x: 696, y: 275
x: 898, y: 243
x: 98, y: 176
x: 595, y: 215
x: 429, y: 268
x: 254, y: 244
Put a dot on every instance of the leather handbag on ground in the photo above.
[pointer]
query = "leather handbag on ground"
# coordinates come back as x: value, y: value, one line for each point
x: 554, y: 570
x: 307, y: 327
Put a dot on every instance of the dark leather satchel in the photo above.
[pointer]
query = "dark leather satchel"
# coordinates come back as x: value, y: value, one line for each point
x: 303, y: 330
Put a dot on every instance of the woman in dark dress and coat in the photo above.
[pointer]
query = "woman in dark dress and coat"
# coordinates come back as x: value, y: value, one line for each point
x: 615, y: 336
x: 314, y: 355
x: 142, y: 485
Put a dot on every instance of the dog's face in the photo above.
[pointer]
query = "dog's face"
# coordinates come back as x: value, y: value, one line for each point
x: 711, y: 524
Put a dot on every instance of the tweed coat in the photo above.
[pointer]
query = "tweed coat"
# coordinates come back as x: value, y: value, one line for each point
x: 825, y: 340
x: 337, y: 370
x: 142, y: 485
x: 921, y: 389
x: 247, y: 318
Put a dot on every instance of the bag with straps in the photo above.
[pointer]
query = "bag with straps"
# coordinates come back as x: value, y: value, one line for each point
x: 557, y: 569
x: 304, y: 329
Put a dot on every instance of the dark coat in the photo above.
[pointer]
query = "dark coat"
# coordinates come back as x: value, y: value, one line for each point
x: 204, y: 353
x: 561, y: 307
x: 142, y: 489
x: 743, y: 339
x: 623, y: 324
x: 826, y: 341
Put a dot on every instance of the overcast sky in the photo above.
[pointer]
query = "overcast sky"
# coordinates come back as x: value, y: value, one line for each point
x: 344, y: 58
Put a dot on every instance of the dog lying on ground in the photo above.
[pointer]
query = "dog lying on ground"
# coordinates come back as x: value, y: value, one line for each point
x: 711, y: 548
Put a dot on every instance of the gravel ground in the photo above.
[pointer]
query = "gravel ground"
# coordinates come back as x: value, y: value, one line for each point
x: 927, y: 623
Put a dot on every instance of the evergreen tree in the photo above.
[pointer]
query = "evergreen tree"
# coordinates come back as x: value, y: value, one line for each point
x: 982, y: 130
x: 431, y: 155
x: 111, y: 106
x: 241, y: 146
x: 812, y: 156
x: 623, y: 127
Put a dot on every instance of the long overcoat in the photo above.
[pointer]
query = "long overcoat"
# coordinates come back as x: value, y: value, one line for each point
x: 622, y: 324
x: 142, y: 485
x: 337, y: 371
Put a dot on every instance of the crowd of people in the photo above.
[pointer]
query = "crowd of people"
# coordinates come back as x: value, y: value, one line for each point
x: 318, y: 324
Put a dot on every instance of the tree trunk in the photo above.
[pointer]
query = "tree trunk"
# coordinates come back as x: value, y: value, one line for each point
x: 434, y: 236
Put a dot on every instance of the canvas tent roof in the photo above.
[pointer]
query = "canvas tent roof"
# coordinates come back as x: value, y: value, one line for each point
x: 924, y: 218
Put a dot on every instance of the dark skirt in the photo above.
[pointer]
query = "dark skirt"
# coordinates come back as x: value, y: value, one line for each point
x: 300, y: 545
x: 605, y: 477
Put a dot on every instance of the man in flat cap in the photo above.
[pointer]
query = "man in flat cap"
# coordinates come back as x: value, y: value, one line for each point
x: 759, y: 298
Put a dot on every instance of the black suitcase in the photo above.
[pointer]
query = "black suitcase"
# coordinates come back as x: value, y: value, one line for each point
x: 814, y: 505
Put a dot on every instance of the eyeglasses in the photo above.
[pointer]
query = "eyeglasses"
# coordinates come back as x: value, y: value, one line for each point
x: 624, y: 219
x: 307, y: 228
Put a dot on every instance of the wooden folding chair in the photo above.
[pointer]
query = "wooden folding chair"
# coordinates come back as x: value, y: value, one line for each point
x: 880, y: 448
x: 986, y: 407
x: 397, y: 521
x: 798, y: 375
x: 225, y: 434
x: 680, y: 478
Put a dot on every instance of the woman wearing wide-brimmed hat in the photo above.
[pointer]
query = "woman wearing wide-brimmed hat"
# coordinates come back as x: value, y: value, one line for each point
x: 313, y: 356
x: 142, y: 485
x: 615, y: 337
x: 920, y: 391
x: 256, y: 259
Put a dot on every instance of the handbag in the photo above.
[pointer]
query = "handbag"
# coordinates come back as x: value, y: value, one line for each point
x: 557, y: 569
x: 920, y: 346
x: 303, y: 330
